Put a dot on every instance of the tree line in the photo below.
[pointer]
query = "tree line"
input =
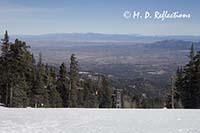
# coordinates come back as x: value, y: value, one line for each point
x: 27, y: 83
x: 186, y: 91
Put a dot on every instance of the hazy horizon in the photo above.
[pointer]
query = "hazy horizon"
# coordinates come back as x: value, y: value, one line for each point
x: 98, y: 33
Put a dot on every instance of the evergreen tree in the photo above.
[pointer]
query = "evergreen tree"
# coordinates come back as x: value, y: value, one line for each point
x: 5, y: 45
x: 179, y: 87
x: 188, y: 94
x: 24, y: 64
x: 89, y: 94
x: 86, y: 94
x: 188, y: 83
x: 62, y: 85
x: 15, y: 70
x: 55, y: 99
x: 20, y: 98
x: 105, y: 94
x: 196, y: 80
x: 4, y: 86
x: 40, y: 90
x: 74, y: 80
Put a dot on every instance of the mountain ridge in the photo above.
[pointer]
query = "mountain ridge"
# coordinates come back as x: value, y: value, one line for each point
x: 106, y: 37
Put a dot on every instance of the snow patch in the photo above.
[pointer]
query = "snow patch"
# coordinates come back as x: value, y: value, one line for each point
x: 28, y: 120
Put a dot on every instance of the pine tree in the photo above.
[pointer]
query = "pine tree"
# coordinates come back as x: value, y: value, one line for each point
x: 105, y: 94
x: 4, y: 86
x: 39, y: 91
x: 5, y: 45
x: 86, y: 94
x: 55, y: 99
x: 187, y: 83
x: 62, y: 85
x: 16, y: 71
x: 74, y: 79
x: 196, y: 80
x: 89, y: 94
x: 179, y: 83
x: 20, y: 98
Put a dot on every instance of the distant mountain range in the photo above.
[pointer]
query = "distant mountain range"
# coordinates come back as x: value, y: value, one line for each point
x: 174, y: 45
x: 118, y: 55
x: 97, y: 37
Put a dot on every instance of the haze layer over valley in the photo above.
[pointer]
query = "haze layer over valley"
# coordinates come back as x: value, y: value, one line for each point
x: 116, y: 55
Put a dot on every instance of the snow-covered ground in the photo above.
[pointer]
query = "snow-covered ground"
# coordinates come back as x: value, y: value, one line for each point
x: 99, y: 120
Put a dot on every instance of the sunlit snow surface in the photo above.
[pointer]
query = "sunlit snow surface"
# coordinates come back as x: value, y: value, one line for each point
x: 99, y: 120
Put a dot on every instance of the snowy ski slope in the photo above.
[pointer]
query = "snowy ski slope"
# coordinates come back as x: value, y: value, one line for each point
x: 67, y: 120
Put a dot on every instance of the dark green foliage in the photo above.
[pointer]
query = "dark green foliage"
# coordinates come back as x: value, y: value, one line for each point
x: 5, y: 46
x: 40, y: 83
x: 19, y: 95
x: 4, y: 70
x: 188, y: 82
x: 15, y: 71
x: 90, y: 95
x: 74, y: 80
x: 62, y: 85
x: 23, y: 82
x: 55, y: 99
x: 105, y: 94
x: 38, y: 90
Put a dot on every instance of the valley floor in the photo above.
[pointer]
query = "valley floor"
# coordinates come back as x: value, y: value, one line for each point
x: 99, y: 120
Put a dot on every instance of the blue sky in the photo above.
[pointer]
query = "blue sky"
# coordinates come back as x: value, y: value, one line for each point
x: 103, y: 16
